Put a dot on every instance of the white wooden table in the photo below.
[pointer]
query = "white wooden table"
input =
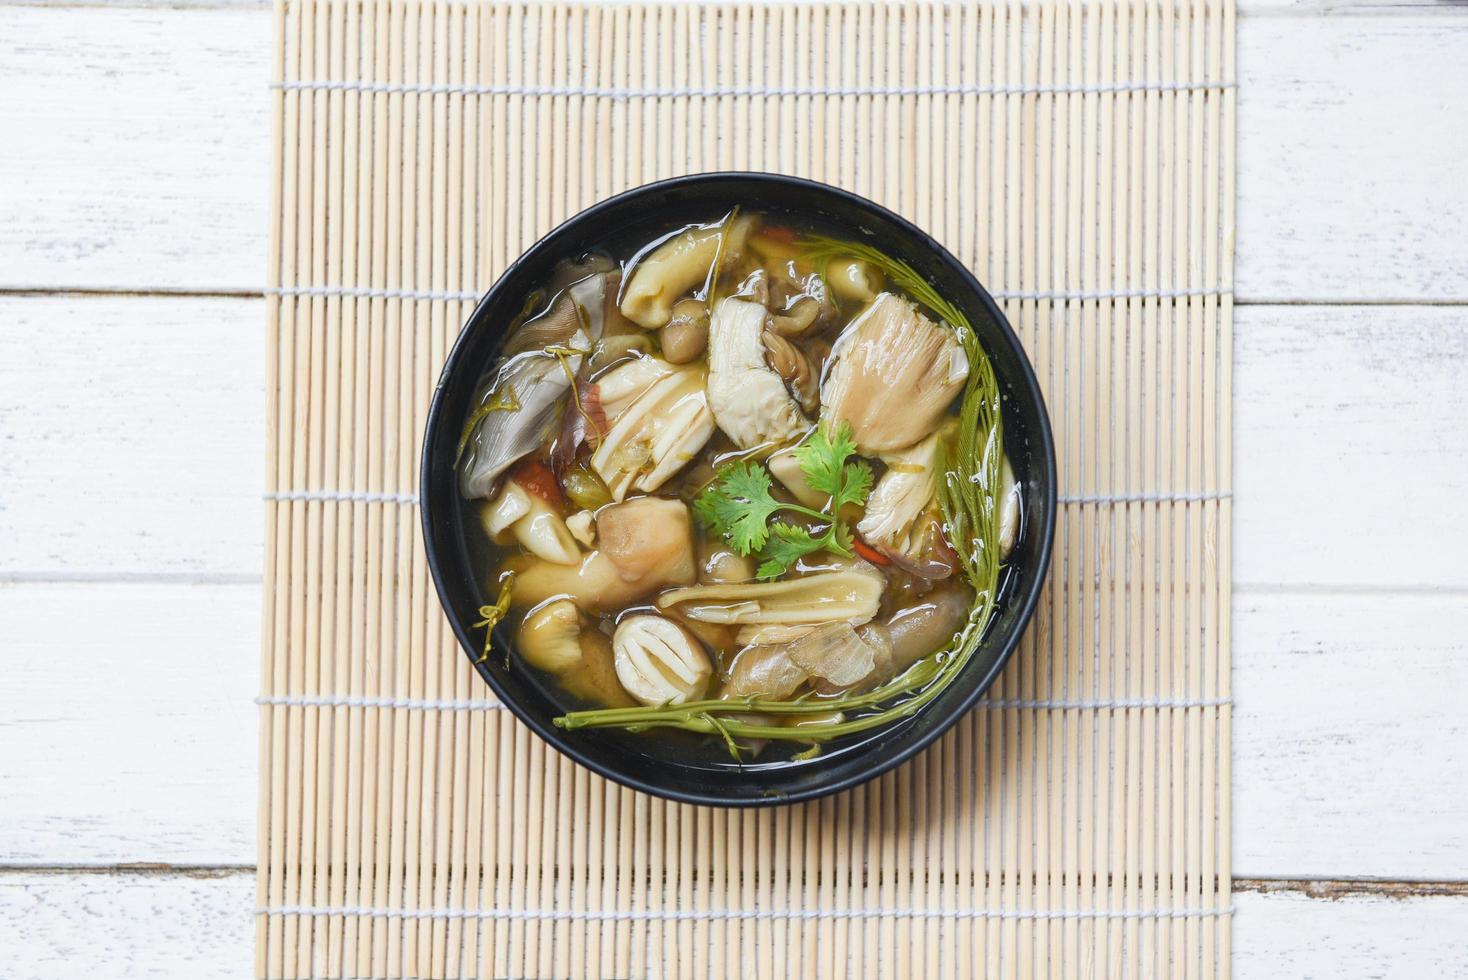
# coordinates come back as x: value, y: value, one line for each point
x: 133, y: 177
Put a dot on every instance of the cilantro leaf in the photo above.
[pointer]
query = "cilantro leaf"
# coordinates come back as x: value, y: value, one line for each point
x: 738, y: 506
x: 823, y: 461
x: 788, y: 544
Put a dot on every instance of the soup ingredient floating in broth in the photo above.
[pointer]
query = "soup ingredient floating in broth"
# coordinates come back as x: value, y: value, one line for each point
x: 744, y: 481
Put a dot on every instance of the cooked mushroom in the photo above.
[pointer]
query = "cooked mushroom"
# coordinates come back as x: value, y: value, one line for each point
x: 520, y: 405
x: 854, y: 279
x: 787, y: 469
x: 582, y: 527
x: 749, y: 401
x: 532, y: 521
x: 902, y: 493
x: 1008, y: 510
x: 787, y: 360
x: 685, y: 337
x: 658, y: 661
x: 851, y: 594
x: 892, y: 374
x: 554, y: 638
x: 721, y: 565
x: 914, y: 632
x: 647, y: 535
x: 646, y: 545
x: 678, y: 265
x: 618, y: 388
x: 766, y: 671
x: 657, y: 435
x: 550, y: 637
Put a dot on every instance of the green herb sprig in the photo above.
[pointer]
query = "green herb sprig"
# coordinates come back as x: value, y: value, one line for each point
x: 738, y: 505
x: 969, y: 498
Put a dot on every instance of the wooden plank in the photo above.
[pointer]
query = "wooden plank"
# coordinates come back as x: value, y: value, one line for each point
x: 133, y: 437
x: 197, y: 925
x: 128, y: 724
x: 141, y: 139
x: 1349, y: 736
x: 1352, y: 934
x: 136, y: 148
x: 128, y: 924
x: 1351, y: 145
x: 1349, y: 424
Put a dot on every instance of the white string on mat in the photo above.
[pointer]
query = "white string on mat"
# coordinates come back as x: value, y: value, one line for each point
x: 1161, y: 497
x: 1104, y: 705
x: 1105, y: 294
x: 367, y: 292
x: 621, y: 94
x: 348, y: 701
x: 351, y: 496
x: 675, y: 915
x: 421, y: 704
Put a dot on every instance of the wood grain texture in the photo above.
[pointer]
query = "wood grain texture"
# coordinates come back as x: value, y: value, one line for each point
x: 157, y: 179
x: 133, y: 437
x: 135, y: 151
x: 127, y: 723
x: 1351, y: 145
x: 135, y: 924
x: 1290, y: 934
x: 1350, y: 426
x: 195, y: 926
x: 1350, y: 743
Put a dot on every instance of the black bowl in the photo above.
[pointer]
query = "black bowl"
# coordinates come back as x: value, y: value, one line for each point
x: 633, y: 760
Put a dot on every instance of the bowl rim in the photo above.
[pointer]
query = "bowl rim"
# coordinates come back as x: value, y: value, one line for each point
x: 1043, y: 450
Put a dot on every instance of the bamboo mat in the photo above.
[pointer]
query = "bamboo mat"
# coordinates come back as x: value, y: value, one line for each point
x: 1080, y: 158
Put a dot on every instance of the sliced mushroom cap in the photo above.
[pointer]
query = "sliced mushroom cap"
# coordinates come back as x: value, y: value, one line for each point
x: 659, y: 662
x: 657, y: 435
x: 903, y: 492
x: 892, y: 374
x: 851, y: 594
x: 681, y: 263
x: 749, y: 400
x: 619, y: 387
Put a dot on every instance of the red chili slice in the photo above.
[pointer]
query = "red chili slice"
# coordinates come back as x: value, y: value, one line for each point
x: 538, y: 479
x: 870, y: 554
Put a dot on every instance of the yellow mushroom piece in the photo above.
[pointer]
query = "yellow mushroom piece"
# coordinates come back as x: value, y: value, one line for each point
x: 680, y: 264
